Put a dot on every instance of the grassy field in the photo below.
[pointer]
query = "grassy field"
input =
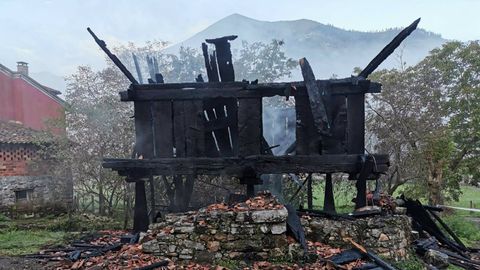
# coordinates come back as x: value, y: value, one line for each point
x: 469, y: 194
x: 344, y: 195
x: 29, y: 235
x: 21, y: 242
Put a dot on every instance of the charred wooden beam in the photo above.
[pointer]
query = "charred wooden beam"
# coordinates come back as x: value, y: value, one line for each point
x: 388, y: 49
x: 309, y: 194
x: 224, y: 57
x: 113, y: 57
x: 316, y: 97
x: 140, y: 218
x: 149, y: 92
x: 329, y: 199
x: 250, y: 136
x: 137, y: 68
x: 210, y: 64
x: 235, y: 166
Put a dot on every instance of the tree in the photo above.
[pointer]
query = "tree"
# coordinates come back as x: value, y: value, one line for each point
x: 265, y: 62
x: 457, y: 66
x: 98, y: 126
x: 427, y: 120
x: 182, y: 67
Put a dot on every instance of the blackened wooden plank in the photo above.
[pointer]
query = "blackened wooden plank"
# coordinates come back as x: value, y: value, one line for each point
x: 163, y: 128
x: 143, y: 129
x: 397, y: 40
x: 215, y: 109
x: 329, y: 199
x: 308, y: 140
x: 224, y: 57
x: 262, y: 164
x: 179, y: 128
x: 350, y: 85
x: 337, y: 111
x: 240, y: 89
x: 194, y: 128
x: 231, y: 105
x: 206, y: 58
x: 356, y: 124
x: 214, y: 66
x: 250, y: 126
x: 309, y: 194
x: 316, y: 95
x: 140, y: 216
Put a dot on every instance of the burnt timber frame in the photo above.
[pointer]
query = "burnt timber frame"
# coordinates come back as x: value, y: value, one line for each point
x: 215, y: 128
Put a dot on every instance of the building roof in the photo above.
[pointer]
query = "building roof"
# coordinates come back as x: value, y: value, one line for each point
x: 52, y: 93
x: 15, y: 133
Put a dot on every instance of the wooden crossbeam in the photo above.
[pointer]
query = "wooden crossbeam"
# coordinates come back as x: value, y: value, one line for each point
x: 235, y: 166
x: 187, y: 91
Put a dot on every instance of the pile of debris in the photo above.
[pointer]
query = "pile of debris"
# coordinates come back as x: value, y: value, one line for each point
x: 260, y: 230
x: 102, y: 250
x: 438, y: 245
x: 251, y: 233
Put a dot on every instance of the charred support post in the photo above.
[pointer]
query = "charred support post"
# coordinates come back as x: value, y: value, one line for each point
x: 309, y: 194
x: 143, y: 148
x: 250, y: 137
x: 140, y: 216
x: 329, y: 200
x: 361, y: 185
x: 210, y: 64
x: 224, y: 57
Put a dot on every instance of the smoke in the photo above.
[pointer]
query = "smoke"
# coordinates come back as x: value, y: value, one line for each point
x: 279, y: 124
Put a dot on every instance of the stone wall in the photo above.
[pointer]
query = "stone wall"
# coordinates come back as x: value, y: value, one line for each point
x: 219, y: 232
x: 41, y: 186
x: 389, y: 236
x: 206, y: 236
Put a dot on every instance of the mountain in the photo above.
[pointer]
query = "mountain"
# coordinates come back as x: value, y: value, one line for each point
x: 329, y: 49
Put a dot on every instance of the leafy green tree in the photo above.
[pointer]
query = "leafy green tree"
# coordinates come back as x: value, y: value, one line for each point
x: 98, y: 126
x: 427, y: 119
x: 186, y: 66
x: 265, y: 62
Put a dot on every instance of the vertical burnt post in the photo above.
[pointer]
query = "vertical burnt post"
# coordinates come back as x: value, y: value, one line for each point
x: 329, y: 200
x: 219, y: 66
x: 356, y: 139
x: 144, y: 149
x: 224, y: 57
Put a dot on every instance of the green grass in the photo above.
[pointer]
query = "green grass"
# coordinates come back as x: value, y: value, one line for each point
x: 412, y: 263
x: 343, y: 194
x: 21, y: 242
x: 469, y: 194
x: 26, y: 236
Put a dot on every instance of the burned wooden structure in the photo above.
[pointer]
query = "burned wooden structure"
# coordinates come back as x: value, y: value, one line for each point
x: 215, y: 127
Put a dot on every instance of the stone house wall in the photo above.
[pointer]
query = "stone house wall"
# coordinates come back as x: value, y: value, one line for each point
x: 40, y: 188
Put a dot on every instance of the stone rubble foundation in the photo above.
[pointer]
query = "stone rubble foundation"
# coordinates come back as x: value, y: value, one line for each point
x: 389, y: 236
x: 206, y: 236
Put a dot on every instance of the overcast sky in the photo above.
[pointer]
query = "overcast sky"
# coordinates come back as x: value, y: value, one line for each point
x: 51, y: 34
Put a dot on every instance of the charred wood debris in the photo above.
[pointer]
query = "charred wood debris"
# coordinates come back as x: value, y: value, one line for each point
x: 326, y: 142
x: 123, y: 250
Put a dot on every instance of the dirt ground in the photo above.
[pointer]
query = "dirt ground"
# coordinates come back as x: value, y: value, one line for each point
x: 14, y: 263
